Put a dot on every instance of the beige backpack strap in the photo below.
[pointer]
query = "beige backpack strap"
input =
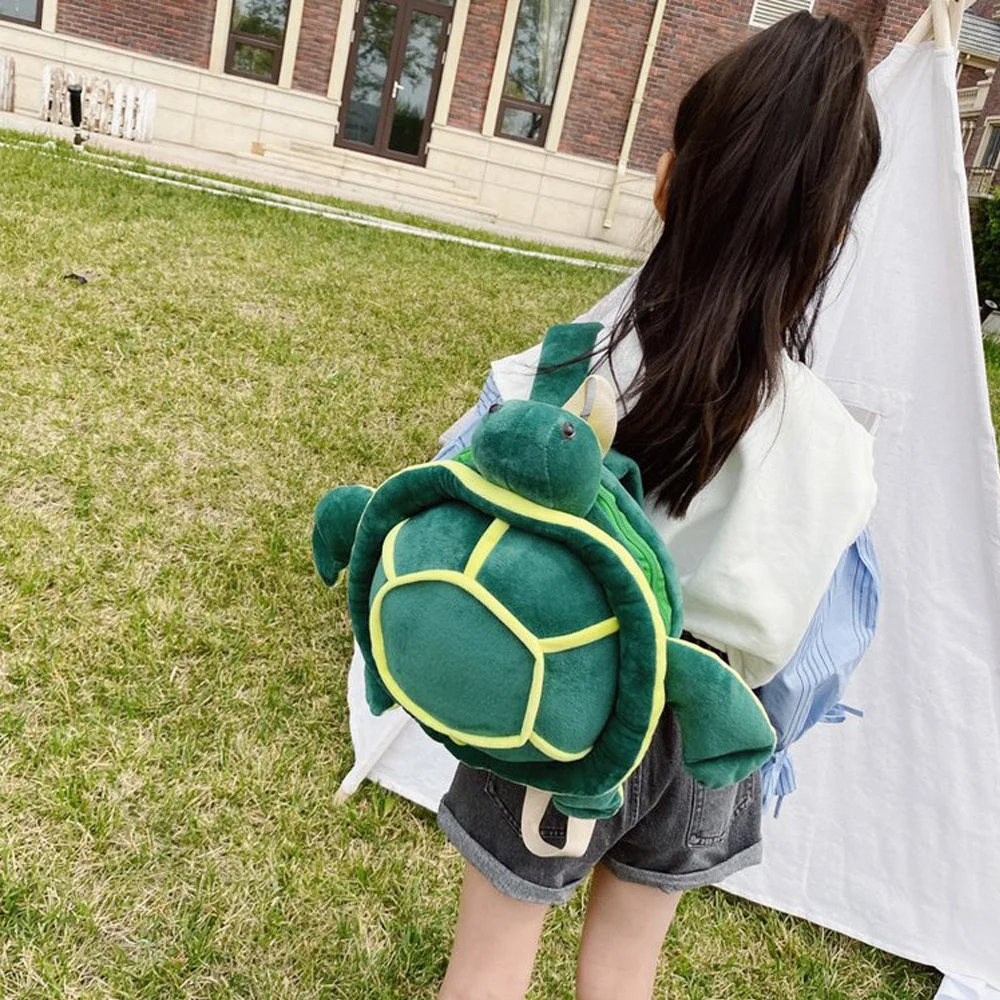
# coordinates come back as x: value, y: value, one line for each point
x: 578, y: 831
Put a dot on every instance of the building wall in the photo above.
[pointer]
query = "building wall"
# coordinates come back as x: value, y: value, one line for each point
x: 552, y: 193
x: 970, y: 76
x: 194, y: 107
x: 694, y: 36
x: 898, y: 18
x: 180, y: 30
x: 991, y: 109
x: 475, y: 67
x: 691, y: 39
x: 986, y: 8
x: 569, y: 192
x: 865, y: 15
x: 315, y: 54
x: 606, y: 77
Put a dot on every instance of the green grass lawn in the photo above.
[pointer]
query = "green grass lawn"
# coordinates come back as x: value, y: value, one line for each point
x: 992, y: 348
x: 172, y: 722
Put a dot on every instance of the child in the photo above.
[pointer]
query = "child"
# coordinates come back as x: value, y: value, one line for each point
x: 757, y: 478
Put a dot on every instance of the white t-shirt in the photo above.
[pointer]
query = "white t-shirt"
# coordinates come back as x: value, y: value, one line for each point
x: 759, y: 544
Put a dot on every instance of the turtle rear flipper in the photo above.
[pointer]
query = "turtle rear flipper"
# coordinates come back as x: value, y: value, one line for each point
x: 335, y: 523
x: 738, y: 738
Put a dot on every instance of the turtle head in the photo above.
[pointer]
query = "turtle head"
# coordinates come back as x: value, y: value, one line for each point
x: 552, y: 455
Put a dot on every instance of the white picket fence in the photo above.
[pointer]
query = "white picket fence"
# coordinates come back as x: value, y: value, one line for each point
x: 6, y: 83
x: 109, y: 107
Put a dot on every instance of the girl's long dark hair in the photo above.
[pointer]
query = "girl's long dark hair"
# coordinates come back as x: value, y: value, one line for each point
x: 774, y: 147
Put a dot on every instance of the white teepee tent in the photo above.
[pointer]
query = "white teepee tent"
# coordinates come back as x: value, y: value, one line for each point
x: 891, y: 837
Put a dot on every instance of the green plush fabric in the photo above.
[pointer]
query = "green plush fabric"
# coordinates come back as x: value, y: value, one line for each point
x: 531, y: 537
x: 626, y: 471
x: 427, y: 627
x: 558, y: 456
x: 590, y: 807
x: 572, y: 723
x: 739, y: 738
x: 565, y: 361
x: 441, y: 537
x: 661, y: 569
x: 620, y: 745
x: 557, y: 597
x: 335, y: 521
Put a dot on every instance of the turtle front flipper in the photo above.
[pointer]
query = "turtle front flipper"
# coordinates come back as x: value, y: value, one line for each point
x: 725, y: 732
x: 335, y: 523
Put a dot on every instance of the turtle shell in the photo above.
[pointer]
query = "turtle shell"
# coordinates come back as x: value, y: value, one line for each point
x: 529, y: 641
x: 469, y: 611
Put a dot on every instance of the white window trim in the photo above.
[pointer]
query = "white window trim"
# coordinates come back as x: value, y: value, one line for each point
x: 968, y: 131
x: 450, y: 72
x: 342, y: 49
x: 220, y: 36
x: 991, y: 122
x: 754, y: 23
x: 49, y: 10
x: 290, y: 49
x: 567, y: 74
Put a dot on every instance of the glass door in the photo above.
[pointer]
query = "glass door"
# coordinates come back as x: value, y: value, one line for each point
x: 393, y: 76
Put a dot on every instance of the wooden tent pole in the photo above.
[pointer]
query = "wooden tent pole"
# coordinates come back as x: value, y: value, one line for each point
x: 942, y: 24
x: 923, y: 29
x: 956, y: 8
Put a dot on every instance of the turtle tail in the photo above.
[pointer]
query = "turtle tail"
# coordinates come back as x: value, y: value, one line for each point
x: 335, y: 524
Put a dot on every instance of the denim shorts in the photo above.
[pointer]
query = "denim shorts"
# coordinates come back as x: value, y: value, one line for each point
x: 671, y: 833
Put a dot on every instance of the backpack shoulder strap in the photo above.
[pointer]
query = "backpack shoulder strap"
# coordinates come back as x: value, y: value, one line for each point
x: 562, y: 368
x: 564, y: 362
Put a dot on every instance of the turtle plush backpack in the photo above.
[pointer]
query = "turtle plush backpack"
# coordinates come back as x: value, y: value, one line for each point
x: 520, y: 606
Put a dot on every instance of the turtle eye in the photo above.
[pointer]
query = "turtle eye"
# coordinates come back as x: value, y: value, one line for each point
x: 568, y: 431
x: 495, y: 408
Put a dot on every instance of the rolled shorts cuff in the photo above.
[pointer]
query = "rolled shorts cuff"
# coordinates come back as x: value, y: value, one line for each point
x: 497, y: 874
x: 691, y: 880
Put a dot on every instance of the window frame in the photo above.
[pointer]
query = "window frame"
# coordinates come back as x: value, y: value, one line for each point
x: 968, y: 131
x: 514, y: 104
x: 274, y: 45
x: 991, y: 126
x: 37, y: 23
x: 532, y: 107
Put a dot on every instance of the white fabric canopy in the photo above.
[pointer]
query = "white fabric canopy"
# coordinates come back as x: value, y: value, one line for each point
x: 891, y: 837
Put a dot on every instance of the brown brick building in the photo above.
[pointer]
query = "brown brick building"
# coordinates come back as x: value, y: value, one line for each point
x: 978, y: 97
x: 548, y: 114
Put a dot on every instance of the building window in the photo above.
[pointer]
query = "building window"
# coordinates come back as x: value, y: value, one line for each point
x: 768, y: 12
x: 256, y: 38
x: 22, y: 11
x: 968, y: 131
x: 990, y: 149
x: 533, y: 70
